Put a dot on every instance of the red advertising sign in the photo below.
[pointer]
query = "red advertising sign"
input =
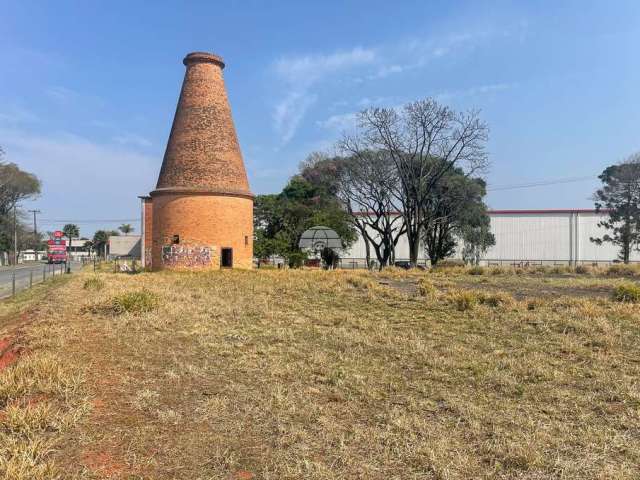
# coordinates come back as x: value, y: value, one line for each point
x: 58, y: 234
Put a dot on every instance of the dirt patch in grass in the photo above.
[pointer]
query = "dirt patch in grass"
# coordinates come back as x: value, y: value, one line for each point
x: 408, y: 286
x: 536, y: 289
x: 9, y: 352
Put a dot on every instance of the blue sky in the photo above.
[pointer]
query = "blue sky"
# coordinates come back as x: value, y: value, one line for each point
x: 88, y: 89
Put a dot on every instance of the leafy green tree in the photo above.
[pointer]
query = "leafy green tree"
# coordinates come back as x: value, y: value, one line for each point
x: 454, y: 208
x: 477, y: 239
x: 306, y: 201
x: 71, y: 230
x: 16, y: 185
x: 126, y: 228
x: 101, y: 239
x: 620, y: 197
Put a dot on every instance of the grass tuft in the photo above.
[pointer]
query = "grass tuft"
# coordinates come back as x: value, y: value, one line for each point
x: 141, y: 301
x: 93, y: 283
x: 622, y: 270
x: 476, y: 270
x: 627, y: 292
x: 426, y: 288
x: 464, y: 300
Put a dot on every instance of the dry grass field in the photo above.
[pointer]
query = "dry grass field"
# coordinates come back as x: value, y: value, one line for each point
x: 453, y: 374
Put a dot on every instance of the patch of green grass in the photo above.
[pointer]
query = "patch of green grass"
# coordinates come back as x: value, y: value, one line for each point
x: 137, y: 302
x: 627, y: 292
x: 93, y: 283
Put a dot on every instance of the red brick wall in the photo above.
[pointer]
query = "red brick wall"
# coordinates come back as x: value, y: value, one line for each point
x: 203, y: 150
x: 201, y: 221
x: 147, y: 207
x: 202, y: 195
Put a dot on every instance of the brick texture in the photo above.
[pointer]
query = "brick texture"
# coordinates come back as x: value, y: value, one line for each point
x: 202, y: 202
x: 147, y: 229
x: 203, y: 150
x: 221, y: 222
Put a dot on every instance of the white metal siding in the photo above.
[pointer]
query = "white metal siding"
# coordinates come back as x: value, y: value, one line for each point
x: 533, y: 236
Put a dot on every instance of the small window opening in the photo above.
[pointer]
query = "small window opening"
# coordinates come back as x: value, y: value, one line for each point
x: 226, y: 257
x: 246, y: 240
x: 176, y: 239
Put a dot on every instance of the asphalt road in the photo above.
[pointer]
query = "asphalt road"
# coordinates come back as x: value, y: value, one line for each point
x: 25, y: 272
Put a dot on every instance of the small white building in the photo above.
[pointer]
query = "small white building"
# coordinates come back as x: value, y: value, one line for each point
x: 527, y: 236
x: 125, y: 246
x: 31, y: 255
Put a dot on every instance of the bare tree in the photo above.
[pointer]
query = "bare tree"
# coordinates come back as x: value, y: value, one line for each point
x: 413, y: 136
x: 365, y: 185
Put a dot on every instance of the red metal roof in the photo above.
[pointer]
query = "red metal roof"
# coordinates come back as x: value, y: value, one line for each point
x: 550, y: 211
x: 543, y: 211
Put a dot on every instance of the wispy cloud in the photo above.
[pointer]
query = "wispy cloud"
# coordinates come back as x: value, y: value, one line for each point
x: 348, y: 121
x: 341, y: 122
x: 288, y: 113
x: 12, y: 115
x: 132, y: 139
x: 301, y: 74
x: 62, y: 95
x: 474, y: 91
x: 104, y: 175
x: 65, y: 96
x: 308, y: 69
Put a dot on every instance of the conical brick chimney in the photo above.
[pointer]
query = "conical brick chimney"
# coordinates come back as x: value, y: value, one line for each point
x: 203, y: 151
x: 201, y: 213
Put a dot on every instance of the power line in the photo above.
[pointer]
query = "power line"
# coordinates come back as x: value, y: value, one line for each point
x: 541, y: 183
x: 93, y: 220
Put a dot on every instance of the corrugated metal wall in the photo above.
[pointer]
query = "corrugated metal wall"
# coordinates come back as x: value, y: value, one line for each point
x: 552, y: 236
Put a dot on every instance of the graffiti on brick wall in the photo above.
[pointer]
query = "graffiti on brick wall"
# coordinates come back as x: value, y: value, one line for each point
x: 181, y: 255
x: 148, y: 262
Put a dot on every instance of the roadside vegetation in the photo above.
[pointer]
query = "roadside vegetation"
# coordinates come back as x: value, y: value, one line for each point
x: 275, y: 374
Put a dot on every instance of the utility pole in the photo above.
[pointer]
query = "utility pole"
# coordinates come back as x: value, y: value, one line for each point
x: 35, y: 223
x: 15, y: 250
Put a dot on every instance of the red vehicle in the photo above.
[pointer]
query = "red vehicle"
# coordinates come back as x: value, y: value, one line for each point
x: 57, y: 248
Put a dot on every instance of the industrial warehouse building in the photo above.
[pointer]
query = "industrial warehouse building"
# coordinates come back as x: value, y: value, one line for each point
x: 527, y: 236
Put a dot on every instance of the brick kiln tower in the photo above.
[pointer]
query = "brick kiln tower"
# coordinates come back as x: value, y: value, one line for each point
x: 201, y: 213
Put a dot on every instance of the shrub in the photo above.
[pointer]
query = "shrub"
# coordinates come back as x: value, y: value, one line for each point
x: 359, y: 282
x: 541, y: 269
x: 495, y: 299
x: 134, y: 302
x: 296, y: 259
x: 497, y: 271
x: 559, y: 269
x: 622, y: 270
x: 476, y: 270
x: 426, y: 288
x: 465, y: 300
x: 93, y: 283
x: 583, y: 269
x: 627, y: 292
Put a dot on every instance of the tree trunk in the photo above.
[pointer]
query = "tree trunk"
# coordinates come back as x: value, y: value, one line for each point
x: 414, y: 249
x: 367, y: 249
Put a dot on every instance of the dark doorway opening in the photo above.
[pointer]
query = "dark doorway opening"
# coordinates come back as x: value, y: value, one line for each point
x: 226, y: 257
